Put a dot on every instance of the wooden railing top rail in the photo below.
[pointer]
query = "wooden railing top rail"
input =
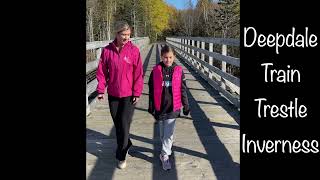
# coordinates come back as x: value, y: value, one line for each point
x: 226, y: 41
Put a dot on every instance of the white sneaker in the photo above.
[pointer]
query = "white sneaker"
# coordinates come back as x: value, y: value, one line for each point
x: 122, y: 164
x: 166, y: 165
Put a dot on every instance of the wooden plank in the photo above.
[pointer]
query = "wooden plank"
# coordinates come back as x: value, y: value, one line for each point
x: 233, y: 99
x: 101, y: 44
x: 229, y: 77
x: 228, y: 59
x: 224, y: 66
x: 91, y: 87
x: 96, y: 44
x: 90, y: 66
x: 226, y: 41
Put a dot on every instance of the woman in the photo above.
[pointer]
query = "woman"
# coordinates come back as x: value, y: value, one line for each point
x: 120, y: 70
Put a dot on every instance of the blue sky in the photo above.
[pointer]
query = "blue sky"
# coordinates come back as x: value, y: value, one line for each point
x: 180, y: 4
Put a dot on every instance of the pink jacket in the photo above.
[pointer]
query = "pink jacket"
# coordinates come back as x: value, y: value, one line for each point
x: 176, y: 87
x: 120, y: 72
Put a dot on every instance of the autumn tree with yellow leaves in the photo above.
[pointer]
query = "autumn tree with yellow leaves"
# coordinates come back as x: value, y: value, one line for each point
x: 157, y: 20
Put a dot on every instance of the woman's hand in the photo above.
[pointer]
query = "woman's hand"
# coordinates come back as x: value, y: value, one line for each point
x: 101, y: 97
x: 135, y: 100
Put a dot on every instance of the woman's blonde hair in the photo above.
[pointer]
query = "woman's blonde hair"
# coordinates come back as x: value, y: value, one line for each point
x: 121, y: 26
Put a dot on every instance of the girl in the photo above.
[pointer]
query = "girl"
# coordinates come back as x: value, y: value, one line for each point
x: 167, y: 94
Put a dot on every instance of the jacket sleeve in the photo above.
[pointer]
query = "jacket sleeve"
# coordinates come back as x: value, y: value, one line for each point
x: 137, y: 77
x: 102, y: 73
x: 150, y: 83
x: 184, y: 97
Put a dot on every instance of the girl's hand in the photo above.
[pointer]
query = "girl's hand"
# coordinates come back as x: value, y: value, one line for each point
x: 186, y: 111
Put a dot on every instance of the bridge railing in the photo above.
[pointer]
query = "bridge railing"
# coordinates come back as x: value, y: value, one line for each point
x: 220, y: 77
x: 95, y: 49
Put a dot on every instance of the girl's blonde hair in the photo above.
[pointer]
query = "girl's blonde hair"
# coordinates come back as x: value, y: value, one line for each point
x: 121, y: 26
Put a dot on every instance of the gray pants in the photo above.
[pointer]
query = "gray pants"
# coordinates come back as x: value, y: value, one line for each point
x: 166, y: 135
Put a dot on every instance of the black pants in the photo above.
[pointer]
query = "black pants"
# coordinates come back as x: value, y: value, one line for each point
x: 121, y: 110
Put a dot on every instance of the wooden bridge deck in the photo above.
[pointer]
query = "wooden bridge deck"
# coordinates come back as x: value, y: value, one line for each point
x: 207, y: 142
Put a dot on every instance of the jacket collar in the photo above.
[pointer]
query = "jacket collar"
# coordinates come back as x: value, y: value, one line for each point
x: 164, y: 66
x: 114, y: 42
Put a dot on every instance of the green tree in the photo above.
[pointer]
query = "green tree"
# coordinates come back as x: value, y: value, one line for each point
x: 229, y: 17
x: 159, y: 18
